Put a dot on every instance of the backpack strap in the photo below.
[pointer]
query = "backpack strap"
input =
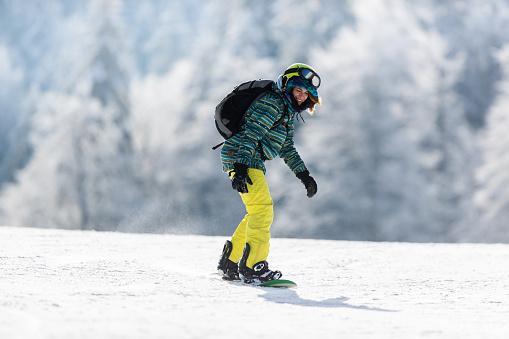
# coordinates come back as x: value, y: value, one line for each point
x: 217, y: 146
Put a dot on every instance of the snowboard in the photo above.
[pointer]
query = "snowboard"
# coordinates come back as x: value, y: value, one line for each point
x: 280, y: 283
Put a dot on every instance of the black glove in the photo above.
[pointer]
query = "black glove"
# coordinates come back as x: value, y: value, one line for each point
x: 308, y: 182
x: 240, y: 178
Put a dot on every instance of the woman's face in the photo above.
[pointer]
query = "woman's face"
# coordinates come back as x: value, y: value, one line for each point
x: 300, y: 94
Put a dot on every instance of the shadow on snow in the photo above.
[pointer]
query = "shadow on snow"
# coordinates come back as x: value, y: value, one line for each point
x: 289, y: 296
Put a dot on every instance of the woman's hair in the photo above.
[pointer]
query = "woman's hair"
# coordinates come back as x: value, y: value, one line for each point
x: 312, y: 102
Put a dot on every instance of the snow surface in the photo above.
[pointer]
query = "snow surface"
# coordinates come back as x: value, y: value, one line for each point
x: 82, y: 284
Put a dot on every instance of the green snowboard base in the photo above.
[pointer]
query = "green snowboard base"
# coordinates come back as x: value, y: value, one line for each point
x: 281, y: 283
x: 278, y: 283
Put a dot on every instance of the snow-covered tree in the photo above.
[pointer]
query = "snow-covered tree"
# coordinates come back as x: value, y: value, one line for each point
x: 357, y: 147
x: 492, y: 197
x: 67, y: 183
x: 473, y: 28
x: 81, y: 140
x: 165, y: 32
x: 300, y: 26
x: 11, y: 78
x: 392, y: 148
x: 29, y: 37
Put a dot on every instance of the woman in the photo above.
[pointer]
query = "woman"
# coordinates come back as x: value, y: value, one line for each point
x: 243, y: 157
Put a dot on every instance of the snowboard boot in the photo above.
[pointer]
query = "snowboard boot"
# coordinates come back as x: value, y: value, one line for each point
x: 260, y: 272
x: 226, y: 267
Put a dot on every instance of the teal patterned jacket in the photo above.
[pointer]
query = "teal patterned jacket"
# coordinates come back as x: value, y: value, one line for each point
x: 243, y: 146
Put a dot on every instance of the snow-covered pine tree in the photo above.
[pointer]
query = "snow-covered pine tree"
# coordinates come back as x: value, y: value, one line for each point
x: 106, y: 182
x: 492, y: 197
x: 11, y: 77
x: 30, y: 39
x: 395, y: 134
x: 473, y: 29
x: 369, y: 192
x: 81, y: 140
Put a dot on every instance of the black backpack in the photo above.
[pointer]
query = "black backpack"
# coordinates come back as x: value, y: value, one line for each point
x: 231, y: 111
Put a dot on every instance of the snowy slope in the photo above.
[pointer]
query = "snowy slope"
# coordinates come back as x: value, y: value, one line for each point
x: 73, y: 284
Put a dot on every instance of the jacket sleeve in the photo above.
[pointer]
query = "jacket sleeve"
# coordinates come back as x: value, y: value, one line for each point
x: 259, y: 119
x: 290, y: 154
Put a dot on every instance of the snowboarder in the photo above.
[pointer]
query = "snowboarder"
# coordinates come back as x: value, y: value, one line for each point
x: 243, y: 157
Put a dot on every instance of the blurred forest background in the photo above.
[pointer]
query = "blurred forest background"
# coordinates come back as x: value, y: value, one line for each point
x: 106, y: 115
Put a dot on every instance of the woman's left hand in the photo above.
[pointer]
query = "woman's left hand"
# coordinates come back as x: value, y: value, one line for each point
x: 308, y: 182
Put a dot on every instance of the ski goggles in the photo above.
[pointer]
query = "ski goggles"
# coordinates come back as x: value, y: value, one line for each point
x: 305, y: 74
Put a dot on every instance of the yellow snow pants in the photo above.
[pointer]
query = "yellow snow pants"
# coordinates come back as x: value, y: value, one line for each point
x: 254, y: 228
